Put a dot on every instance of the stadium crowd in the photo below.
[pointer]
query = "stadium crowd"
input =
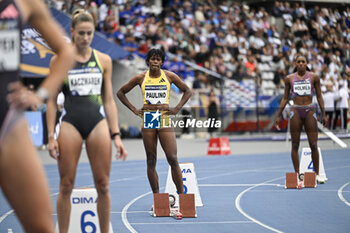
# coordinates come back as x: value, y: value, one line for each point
x: 234, y: 40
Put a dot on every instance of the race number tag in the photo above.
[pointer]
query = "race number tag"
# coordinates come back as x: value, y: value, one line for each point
x: 9, y: 50
x: 85, y: 84
x: 302, y: 87
x: 156, y: 94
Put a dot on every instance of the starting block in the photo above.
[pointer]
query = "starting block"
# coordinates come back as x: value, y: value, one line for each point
x: 292, y: 181
x: 161, y: 207
x: 310, y: 180
x: 187, y: 205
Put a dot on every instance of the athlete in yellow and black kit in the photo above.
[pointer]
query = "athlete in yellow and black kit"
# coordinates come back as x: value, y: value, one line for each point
x: 155, y: 84
x: 155, y: 91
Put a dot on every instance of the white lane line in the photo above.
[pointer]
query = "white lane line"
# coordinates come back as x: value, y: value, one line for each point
x: 125, y: 210
x: 239, y: 208
x: 2, y: 218
x: 185, y: 223
x: 235, y: 185
x: 340, y: 194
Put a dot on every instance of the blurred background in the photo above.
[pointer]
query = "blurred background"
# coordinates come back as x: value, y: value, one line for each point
x: 234, y: 55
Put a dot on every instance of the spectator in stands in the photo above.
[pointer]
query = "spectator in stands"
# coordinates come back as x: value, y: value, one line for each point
x: 251, y: 66
x: 277, y: 77
x: 213, y: 113
x: 301, y: 85
x: 329, y: 98
x: 342, y: 106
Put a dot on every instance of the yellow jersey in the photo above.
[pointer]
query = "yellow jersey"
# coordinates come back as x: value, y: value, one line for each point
x: 155, y: 90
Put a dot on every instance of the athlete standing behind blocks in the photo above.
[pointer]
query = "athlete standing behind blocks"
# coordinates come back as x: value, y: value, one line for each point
x: 88, y: 94
x: 302, y: 84
x: 22, y: 178
x: 155, y: 85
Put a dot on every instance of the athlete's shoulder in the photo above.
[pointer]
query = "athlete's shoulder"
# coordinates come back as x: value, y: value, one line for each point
x: 140, y: 77
x: 103, y: 57
x: 168, y: 72
x: 290, y: 76
x: 170, y: 75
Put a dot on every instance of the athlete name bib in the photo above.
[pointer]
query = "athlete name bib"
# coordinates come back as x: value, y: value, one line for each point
x: 156, y: 94
x: 302, y: 87
x: 85, y: 84
x: 9, y: 50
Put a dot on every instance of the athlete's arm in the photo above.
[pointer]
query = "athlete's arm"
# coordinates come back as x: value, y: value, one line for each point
x: 51, y: 109
x: 284, y: 100
x: 41, y: 20
x: 317, y: 85
x: 36, y: 13
x: 187, y: 93
x: 109, y: 104
x: 121, y: 93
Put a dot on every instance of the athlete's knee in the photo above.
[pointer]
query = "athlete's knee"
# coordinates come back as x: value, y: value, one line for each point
x: 151, y: 161
x: 295, y: 145
x: 66, y: 186
x: 313, y: 145
x: 102, y: 186
x: 172, y: 160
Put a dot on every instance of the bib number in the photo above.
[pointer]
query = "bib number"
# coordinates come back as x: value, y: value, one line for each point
x: 9, y: 50
x: 85, y: 84
x: 302, y: 87
x: 156, y: 94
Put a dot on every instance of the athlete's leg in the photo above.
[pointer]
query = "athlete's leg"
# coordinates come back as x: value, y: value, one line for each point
x: 295, y: 130
x: 149, y: 137
x: 168, y: 142
x: 98, y: 147
x: 69, y: 142
x: 23, y: 180
x: 312, y: 135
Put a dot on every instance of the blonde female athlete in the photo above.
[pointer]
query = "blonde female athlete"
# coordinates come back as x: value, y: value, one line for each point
x: 301, y: 85
x: 155, y: 85
x: 88, y: 94
x: 22, y: 178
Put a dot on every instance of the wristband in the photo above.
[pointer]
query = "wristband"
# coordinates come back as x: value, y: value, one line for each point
x: 43, y: 94
x: 114, y: 135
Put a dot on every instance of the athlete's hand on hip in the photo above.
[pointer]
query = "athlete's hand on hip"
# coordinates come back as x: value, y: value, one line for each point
x: 121, y: 151
x: 53, y: 148
x: 138, y: 112
x: 171, y: 112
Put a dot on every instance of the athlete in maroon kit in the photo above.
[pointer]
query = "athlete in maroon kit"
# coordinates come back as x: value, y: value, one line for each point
x: 302, y: 85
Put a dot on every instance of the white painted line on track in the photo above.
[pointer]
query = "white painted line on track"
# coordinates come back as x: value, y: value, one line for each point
x: 236, y: 185
x: 238, y: 206
x: 2, y: 218
x: 340, y: 194
x: 125, y: 210
x: 188, y: 223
